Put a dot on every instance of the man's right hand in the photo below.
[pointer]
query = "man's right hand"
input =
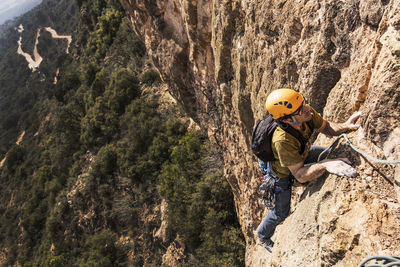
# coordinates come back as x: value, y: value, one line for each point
x: 339, y: 166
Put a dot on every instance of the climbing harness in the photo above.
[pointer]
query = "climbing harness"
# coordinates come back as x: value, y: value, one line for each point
x: 380, y: 261
x: 334, y: 144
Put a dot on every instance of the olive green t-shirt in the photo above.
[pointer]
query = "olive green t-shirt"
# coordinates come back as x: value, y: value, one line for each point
x: 286, y: 148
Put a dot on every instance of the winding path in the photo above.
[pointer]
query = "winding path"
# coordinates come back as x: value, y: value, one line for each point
x: 56, y: 36
x: 33, y: 63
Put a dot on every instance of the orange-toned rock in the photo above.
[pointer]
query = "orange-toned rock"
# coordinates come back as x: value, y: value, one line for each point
x: 222, y: 58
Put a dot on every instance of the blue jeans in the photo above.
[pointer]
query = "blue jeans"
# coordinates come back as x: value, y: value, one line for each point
x: 283, y: 192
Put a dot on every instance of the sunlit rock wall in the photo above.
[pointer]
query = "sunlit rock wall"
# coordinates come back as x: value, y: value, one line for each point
x: 222, y: 58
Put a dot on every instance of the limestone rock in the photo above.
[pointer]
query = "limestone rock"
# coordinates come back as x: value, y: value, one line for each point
x: 222, y: 58
x: 371, y: 12
x: 161, y: 233
x: 175, y: 255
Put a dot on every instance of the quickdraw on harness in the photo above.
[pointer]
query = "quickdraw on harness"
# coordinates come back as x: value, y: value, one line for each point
x: 267, y: 187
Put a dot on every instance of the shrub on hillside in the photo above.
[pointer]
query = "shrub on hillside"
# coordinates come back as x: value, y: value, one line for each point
x: 124, y: 87
x: 101, y: 250
x: 200, y: 207
x: 15, y: 157
x: 151, y: 77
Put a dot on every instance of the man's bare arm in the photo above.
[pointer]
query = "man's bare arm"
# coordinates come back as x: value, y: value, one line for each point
x: 339, y: 166
x: 307, y: 173
x: 335, y: 129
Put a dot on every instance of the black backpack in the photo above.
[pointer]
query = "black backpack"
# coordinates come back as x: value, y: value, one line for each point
x: 262, y: 136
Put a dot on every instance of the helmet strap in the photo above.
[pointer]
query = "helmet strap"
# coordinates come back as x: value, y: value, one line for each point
x: 294, y: 121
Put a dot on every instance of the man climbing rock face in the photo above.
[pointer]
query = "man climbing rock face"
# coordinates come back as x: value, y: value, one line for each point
x: 294, y: 160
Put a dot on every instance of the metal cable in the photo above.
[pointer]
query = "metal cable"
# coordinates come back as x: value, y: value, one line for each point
x: 328, y: 150
x: 357, y: 150
x: 384, y: 261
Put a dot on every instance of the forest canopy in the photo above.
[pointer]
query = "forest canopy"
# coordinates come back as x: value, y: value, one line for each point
x: 85, y: 185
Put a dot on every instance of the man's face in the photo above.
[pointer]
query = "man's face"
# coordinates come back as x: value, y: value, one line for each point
x: 303, y: 113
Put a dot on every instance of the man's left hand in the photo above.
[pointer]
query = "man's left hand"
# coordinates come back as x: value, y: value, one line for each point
x: 351, y: 122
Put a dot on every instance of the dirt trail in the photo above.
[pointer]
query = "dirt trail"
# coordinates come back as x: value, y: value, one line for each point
x: 2, y: 162
x: 33, y: 63
x: 21, y: 136
x: 55, y: 35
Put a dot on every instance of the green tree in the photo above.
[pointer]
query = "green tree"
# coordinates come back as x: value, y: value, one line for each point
x: 67, y: 81
x: 100, y: 250
x: 150, y: 139
x: 14, y: 157
x: 102, y: 39
x: 151, y: 77
x: 124, y: 87
x: 99, y: 125
x: 56, y: 261
x: 89, y: 71
x: 200, y: 206
x: 105, y: 165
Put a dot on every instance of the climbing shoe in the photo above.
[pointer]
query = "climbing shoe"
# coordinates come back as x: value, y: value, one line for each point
x: 268, y: 245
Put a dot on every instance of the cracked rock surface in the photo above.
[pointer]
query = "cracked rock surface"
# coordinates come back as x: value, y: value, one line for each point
x: 222, y: 58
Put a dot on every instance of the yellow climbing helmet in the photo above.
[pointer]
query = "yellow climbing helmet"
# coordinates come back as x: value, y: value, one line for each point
x: 282, y: 102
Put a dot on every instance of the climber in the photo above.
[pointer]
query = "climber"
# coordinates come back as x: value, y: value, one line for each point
x: 289, y: 109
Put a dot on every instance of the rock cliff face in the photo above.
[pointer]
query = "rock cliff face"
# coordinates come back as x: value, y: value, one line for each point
x: 222, y: 58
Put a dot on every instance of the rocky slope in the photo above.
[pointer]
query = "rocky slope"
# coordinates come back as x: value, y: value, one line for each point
x: 222, y: 58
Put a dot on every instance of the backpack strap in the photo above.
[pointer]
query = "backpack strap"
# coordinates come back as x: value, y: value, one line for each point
x: 292, y: 131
